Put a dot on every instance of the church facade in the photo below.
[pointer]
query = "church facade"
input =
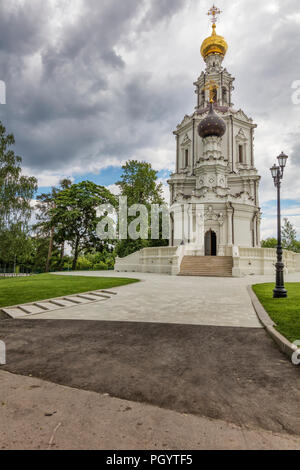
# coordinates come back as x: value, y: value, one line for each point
x: 214, y: 192
x: 215, y: 215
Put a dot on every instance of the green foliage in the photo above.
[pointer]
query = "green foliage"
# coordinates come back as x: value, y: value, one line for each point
x: 16, y: 190
x: 139, y: 184
x: 269, y: 243
x: 75, y: 218
x: 289, y: 236
x: 15, y: 245
x: 284, y: 312
x: 16, y: 193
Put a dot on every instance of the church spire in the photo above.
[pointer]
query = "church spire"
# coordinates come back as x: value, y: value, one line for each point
x: 214, y: 44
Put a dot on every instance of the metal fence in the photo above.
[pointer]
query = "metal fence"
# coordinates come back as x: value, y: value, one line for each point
x: 13, y: 270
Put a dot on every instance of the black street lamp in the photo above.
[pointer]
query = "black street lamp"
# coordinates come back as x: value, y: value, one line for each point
x: 277, y: 173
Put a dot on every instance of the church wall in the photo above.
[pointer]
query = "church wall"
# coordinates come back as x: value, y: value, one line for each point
x: 243, y: 226
x: 185, y: 142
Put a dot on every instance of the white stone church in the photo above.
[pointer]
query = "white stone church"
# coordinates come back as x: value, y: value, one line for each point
x: 215, y: 215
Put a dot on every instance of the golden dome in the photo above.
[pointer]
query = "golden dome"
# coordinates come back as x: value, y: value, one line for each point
x: 214, y: 44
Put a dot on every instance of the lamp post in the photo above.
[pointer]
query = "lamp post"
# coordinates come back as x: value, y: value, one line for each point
x: 277, y: 173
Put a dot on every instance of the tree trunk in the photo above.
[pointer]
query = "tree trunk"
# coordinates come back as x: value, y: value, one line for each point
x: 50, y: 250
x: 62, y: 254
x: 75, y: 254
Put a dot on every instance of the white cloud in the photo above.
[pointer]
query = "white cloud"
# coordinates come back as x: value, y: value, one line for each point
x: 92, y: 84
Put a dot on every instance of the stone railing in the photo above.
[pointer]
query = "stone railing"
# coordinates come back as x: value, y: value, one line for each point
x: 297, y: 262
x: 161, y: 260
x: 247, y: 261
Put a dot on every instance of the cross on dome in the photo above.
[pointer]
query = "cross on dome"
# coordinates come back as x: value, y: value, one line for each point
x: 214, y: 12
x: 214, y: 44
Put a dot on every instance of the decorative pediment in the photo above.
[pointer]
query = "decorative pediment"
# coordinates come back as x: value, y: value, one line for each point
x: 185, y: 121
x: 186, y: 141
x: 241, y: 115
x: 241, y: 135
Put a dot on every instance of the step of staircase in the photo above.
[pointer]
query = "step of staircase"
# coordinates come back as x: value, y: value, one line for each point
x: 206, y: 266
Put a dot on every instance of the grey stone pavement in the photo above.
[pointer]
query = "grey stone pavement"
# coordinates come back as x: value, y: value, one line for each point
x: 171, y: 299
x: 38, y: 415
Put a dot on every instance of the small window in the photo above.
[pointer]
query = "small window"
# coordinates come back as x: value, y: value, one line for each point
x: 202, y: 97
x: 215, y: 95
x: 224, y: 95
x: 186, y: 154
x: 241, y: 154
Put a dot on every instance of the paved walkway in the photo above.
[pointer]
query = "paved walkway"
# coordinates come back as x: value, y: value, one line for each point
x: 172, y: 299
x: 41, y: 415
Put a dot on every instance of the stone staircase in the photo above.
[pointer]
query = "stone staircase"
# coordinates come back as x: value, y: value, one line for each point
x: 206, y: 266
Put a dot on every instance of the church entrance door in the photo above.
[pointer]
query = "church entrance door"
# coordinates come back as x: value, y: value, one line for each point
x: 210, y: 243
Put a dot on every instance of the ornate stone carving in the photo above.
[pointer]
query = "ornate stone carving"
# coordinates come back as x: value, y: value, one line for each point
x: 186, y: 141
x: 213, y: 216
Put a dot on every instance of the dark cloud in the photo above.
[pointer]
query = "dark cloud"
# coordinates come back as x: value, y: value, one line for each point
x: 91, y: 83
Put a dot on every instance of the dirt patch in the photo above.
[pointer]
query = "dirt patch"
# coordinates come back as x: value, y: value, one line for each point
x: 4, y: 316
x: 234, y: 374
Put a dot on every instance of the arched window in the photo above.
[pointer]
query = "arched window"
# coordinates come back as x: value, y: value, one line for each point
x: 241, y: 154
x: 186, y: 158
x: 202, y: 97
x: 224, y: 95
x: 215, y: 95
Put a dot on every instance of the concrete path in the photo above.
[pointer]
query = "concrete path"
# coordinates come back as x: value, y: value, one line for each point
x: 172, y: 299
x: 41, y: 415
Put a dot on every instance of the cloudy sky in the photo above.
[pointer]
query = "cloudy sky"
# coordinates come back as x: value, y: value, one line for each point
x: 92, y: 83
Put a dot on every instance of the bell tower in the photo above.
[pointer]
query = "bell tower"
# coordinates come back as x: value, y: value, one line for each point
x: 214, y: 190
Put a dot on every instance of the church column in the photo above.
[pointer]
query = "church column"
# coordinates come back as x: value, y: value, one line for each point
x: 200, y: 228
x: 171, y: 236
x: 252, y: 189
x: 251, y: 144
x: 258, y: 225
x: 229, y: 226
x: 221, y: 241
x: 177, y: 153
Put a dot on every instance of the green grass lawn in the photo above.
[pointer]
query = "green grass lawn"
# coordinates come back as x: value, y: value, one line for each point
x: 21, y: 290
x: 284, y: 312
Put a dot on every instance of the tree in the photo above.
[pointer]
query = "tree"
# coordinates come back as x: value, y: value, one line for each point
x: 16, y: 194
x: 46, y: 202
x: 269, y: 243
x: 289, y: 238
x: 74, y: 216
x: 16, y: 190
x: 16, y: 245
x: 289, y: 235
x: 139, y: 184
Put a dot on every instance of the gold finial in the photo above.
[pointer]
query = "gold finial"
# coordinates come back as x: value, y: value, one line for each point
x: 214, y: 44
x: 211, y: 86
